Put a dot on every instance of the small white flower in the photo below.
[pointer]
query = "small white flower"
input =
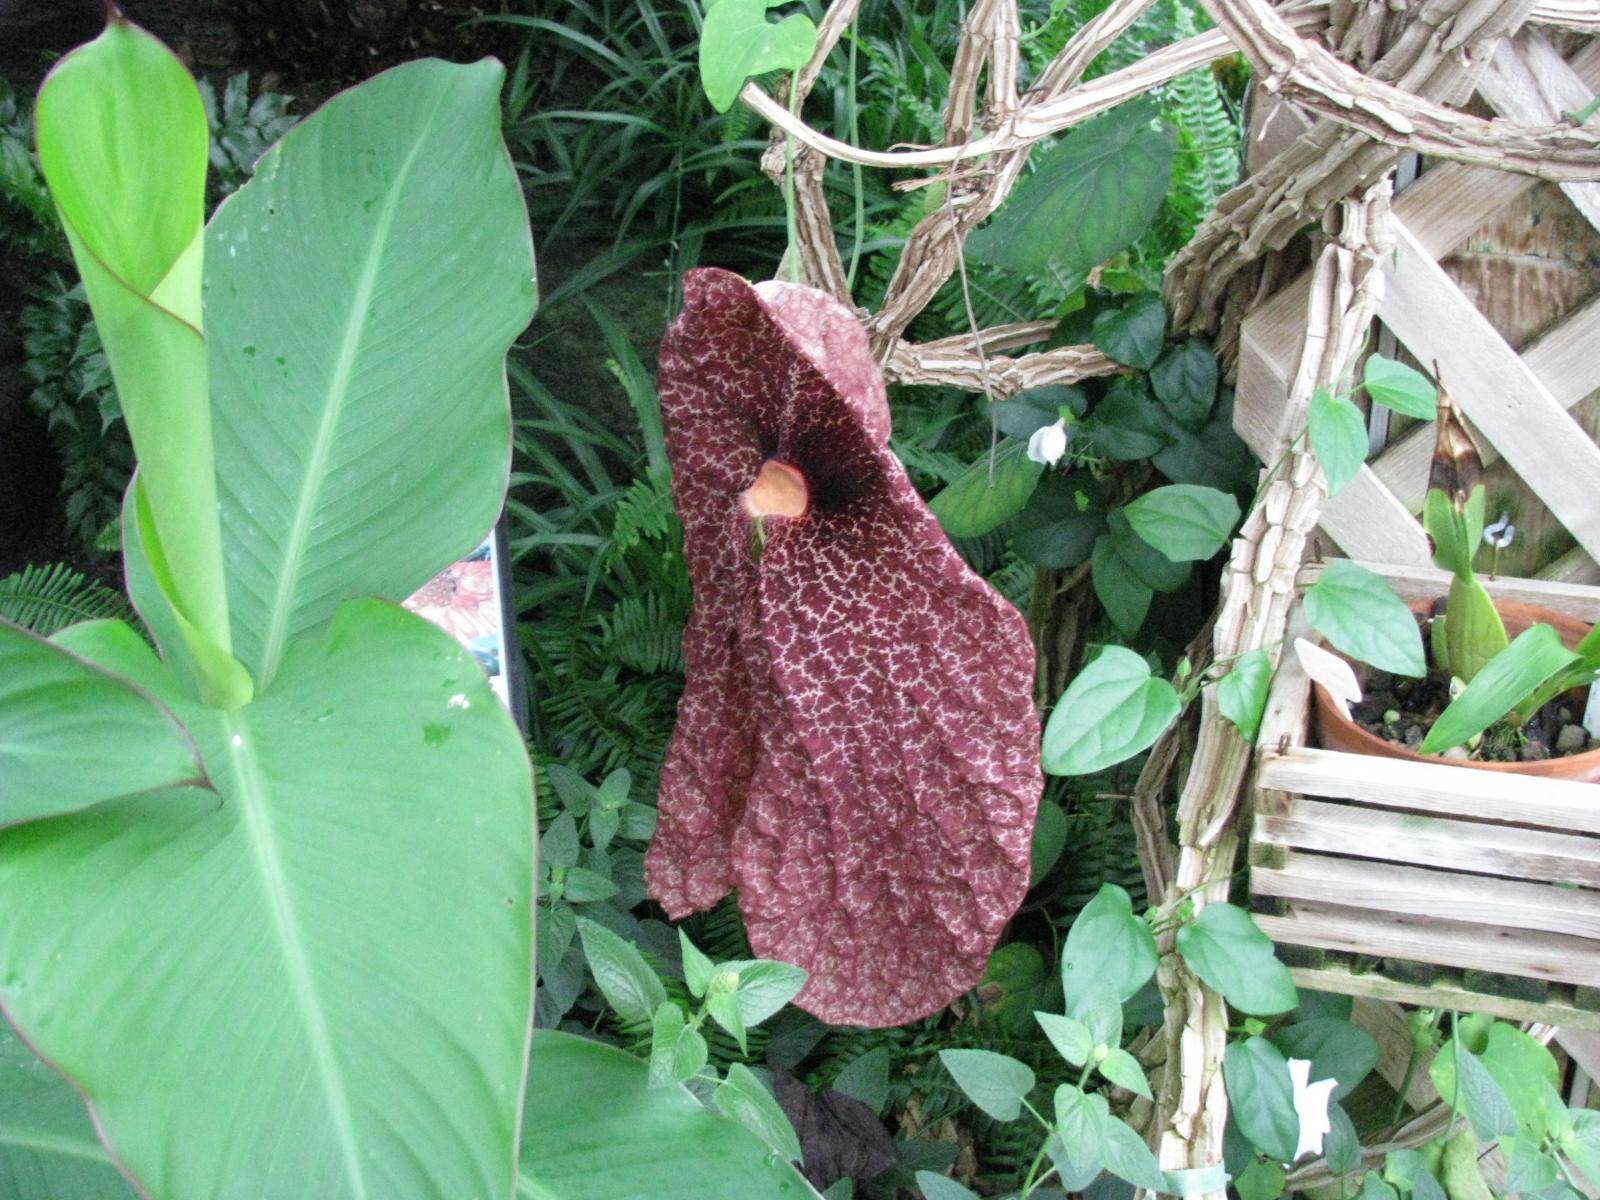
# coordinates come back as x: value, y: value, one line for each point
x: 1049, y: 443
x: 1499, y: 534
x: 1311, y: 1106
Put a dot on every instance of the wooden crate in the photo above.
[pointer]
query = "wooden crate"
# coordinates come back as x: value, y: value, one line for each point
x: 1427, y: 883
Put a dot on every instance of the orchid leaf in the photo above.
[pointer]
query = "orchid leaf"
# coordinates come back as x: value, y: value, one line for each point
x: 362, y: 434
x: 1502, y: 685
x: 1474, y: 634
x: 73, y: 735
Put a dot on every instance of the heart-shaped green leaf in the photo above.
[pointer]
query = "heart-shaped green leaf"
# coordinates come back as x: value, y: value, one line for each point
x: 1109, y: 947
x: 1183, y: 521
x: 1261, y: 1096
x: 1185, y: 381
x: 1360, y: 614
x: 971, y: 505
x: 1242, y: 693
x: 362, y: 433
x: 1338, y: 434
x: 1226, y: 949
x: 737, y: 42
x: 996, y: 1083
x: 1402, y: 388
x: 327, y: 975
x: 1110, y: 712
x: 1133, y: 334
x: 1087, y: 199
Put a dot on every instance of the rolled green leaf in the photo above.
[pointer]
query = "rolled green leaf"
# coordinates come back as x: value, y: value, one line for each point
x: 123, y: 146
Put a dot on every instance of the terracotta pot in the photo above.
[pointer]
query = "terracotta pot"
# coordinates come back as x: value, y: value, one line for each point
x: 1335, y: 731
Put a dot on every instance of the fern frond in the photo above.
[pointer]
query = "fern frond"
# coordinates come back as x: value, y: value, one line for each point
x: 644, y: 633
x: 47, y: 598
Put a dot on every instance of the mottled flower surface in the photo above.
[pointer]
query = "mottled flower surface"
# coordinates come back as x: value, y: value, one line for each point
x: 857, y: 750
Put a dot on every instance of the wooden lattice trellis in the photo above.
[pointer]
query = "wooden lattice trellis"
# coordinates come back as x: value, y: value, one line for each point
x: 1518, y: 403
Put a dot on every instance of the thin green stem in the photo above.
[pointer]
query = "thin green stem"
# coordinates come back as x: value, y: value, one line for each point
x: 1405, y: 1087
x: 1587, y: 111
x: 855, y: 170
x: 788, y: 182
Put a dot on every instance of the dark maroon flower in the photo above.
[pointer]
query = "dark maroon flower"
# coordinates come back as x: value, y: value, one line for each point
x: 857, y: 750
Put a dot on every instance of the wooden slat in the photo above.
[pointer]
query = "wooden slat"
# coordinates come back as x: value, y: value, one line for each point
x: 1390, y: 887
x: 1529, y: 81
x: 1584, y: 1049
x: 1547, y: 956
x: 1564, y: 361
x: 1450, y: 791
x: 1494, y: 387
x: 1343, y: 981
x: 1386, y: 1022
x: 1410, y: 582
x: 1502, y: 851
x: 1451, y: 200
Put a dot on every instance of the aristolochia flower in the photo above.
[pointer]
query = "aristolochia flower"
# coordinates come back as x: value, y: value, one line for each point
x: 1311, y: 1106
x: 857, y: 749
x: 1048, y: 443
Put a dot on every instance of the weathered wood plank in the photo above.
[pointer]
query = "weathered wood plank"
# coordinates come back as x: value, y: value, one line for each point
x: 1343, y: 981
x: 1418, y: 892
x: 1386, y: 1022
x: 1529, y: 81
x: 1400, y: 837
x: 1439, y: 788
x: 1547, y: 956
x: 1494, y: 387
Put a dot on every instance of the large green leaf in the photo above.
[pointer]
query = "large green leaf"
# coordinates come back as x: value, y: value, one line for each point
x: 1088, y: 198
x: 971, y: 505
x: 72, y: 735
x: 361, y: 292
x: 123, y: 145
x: 594, y: 1129
x: 323, y: 983
x: 47, y: 1144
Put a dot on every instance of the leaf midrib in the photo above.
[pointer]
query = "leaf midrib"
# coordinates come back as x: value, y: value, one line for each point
x: 49, y: 1143
x: 262, y: 839
x: 294, y: 551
